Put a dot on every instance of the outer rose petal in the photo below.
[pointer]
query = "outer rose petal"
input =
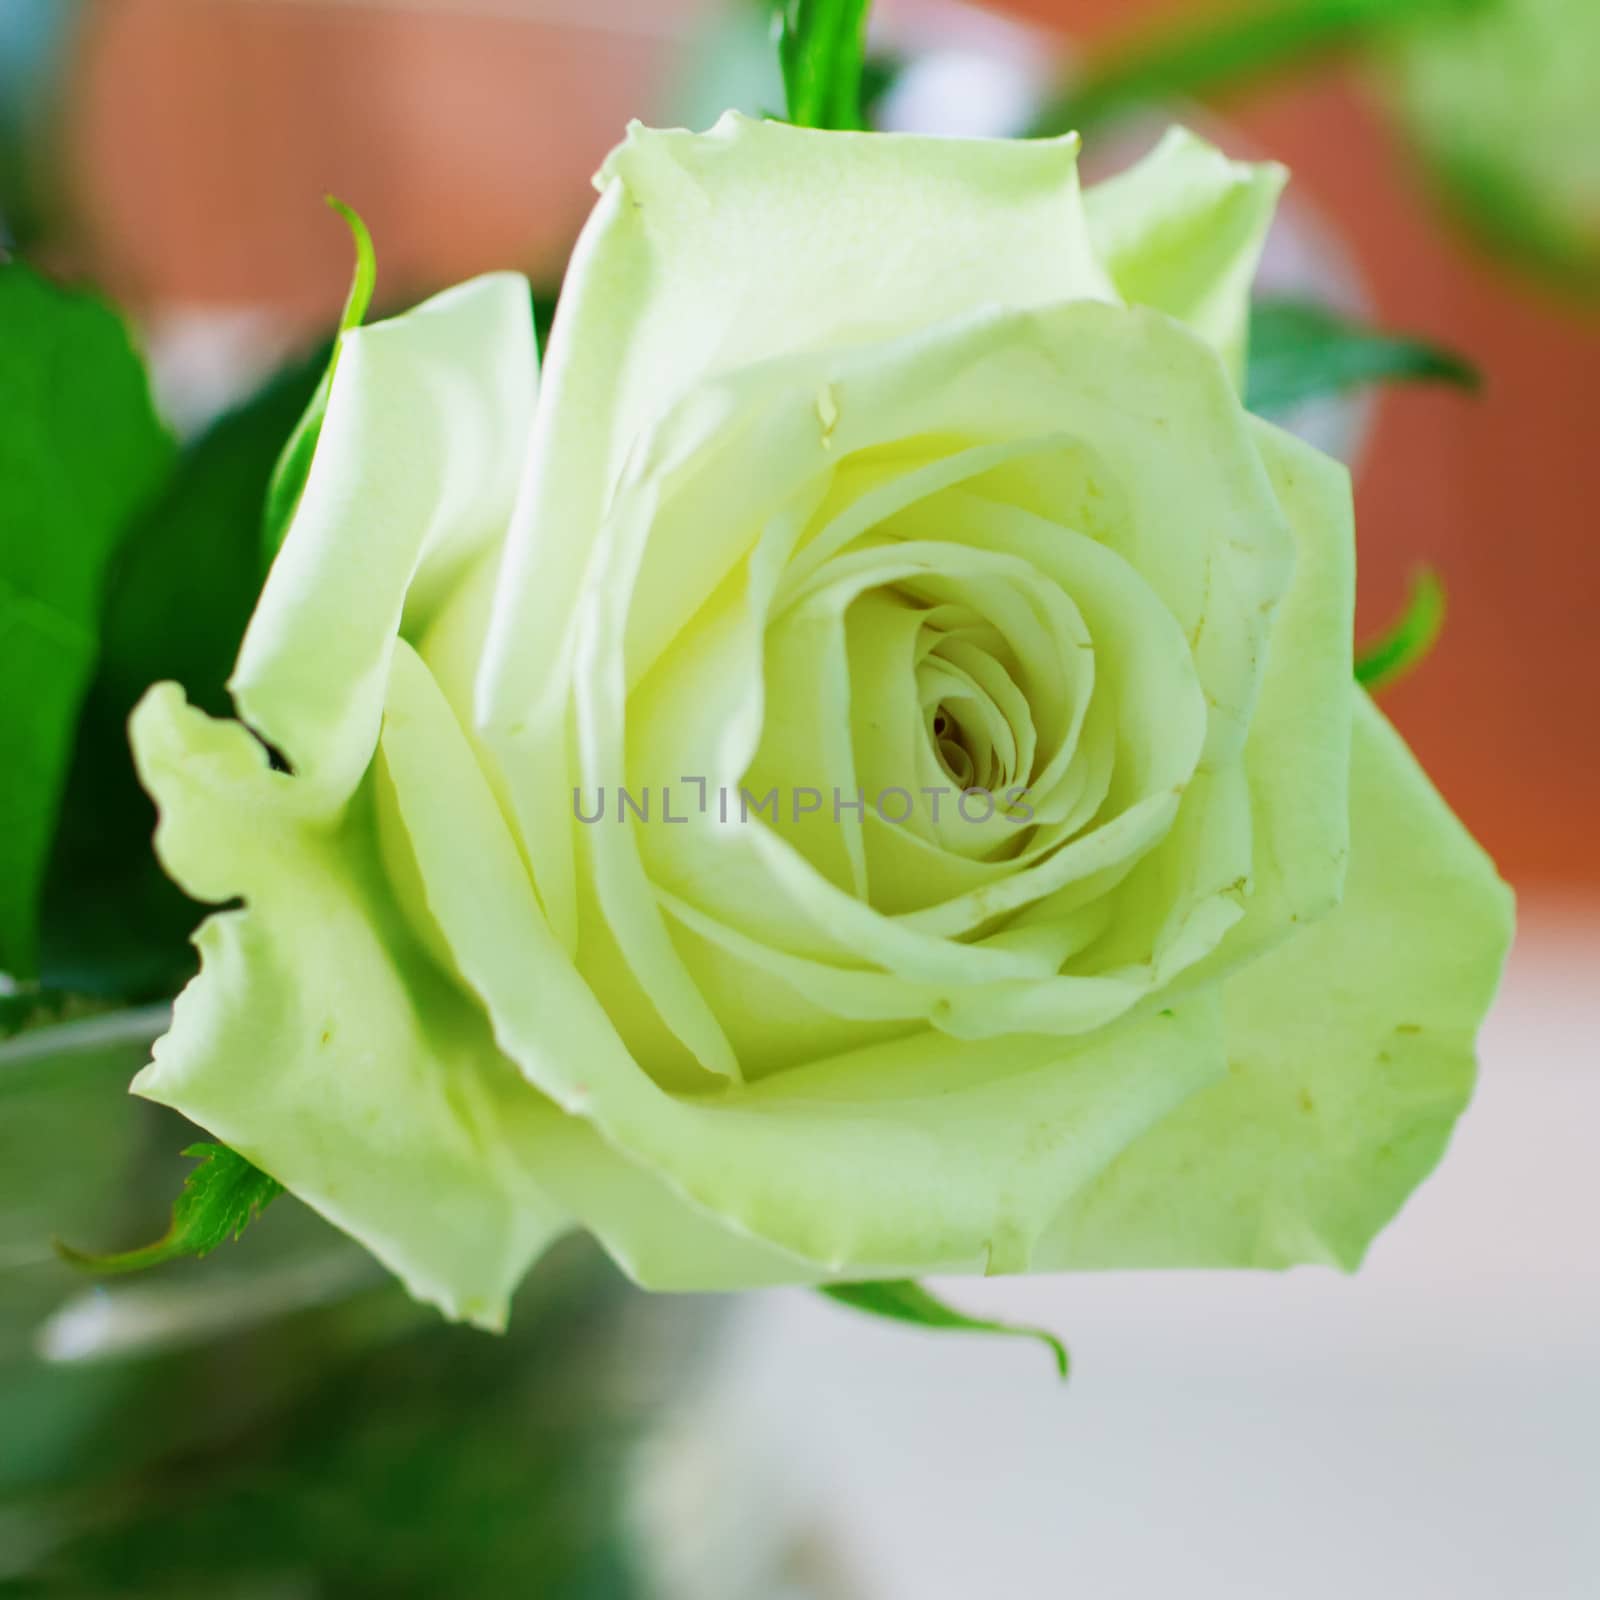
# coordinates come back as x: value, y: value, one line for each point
x: 318, y: 1040
x: 1350, y: 1057
x: 1182, y: 231
x: 1297, y: 757
x: 415, y: 470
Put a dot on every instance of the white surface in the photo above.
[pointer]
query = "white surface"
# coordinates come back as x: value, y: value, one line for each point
x: 1428, y: 1428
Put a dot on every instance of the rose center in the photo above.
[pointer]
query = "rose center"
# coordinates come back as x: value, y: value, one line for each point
x: 956, y: 756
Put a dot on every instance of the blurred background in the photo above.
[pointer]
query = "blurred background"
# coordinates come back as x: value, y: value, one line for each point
x: 1429, y: 1428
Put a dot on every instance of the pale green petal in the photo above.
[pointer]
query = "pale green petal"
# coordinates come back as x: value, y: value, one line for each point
x: 471, y: 894
x: 1298, y: 754
x: 662, y: 1240
x: 805, y: 751
x: 704, y: 256
x: 772, y: 1024
x: 1351, y: 1054
x: 1166, y: 914
x: 318, y: 1042
x: 1277, y: 855
x: 415, y: 472
x: 1182, y: 231
x: 928, y: 1153
x: 749, y: 446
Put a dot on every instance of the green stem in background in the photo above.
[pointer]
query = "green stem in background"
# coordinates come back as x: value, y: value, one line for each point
x: 1408, y: 642
x: 822, y: 47
x: 1226, y: 51
x: 903, y: 1300
x: 289, y: 476
x: 220, y: 1198
x: 1300, y: 350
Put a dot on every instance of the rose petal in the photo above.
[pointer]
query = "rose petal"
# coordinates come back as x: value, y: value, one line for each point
x: 1351, y: 1052
x: 415, y: 471
x: 1182, y: 231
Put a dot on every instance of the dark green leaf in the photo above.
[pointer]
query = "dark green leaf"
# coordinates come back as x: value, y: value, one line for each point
x: 179, y: 595
x: 186, y: 581
x: 80, y: 450
x: 1299, y: 351
x: 289, y: 476
x: 1406, y: 644
x: 1225, y: 52
x: 220, y: 1199
x: 904, y: 1300
x: 822, y: 47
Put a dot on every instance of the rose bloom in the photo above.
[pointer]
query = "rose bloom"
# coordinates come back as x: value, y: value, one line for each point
x: 858, y: 464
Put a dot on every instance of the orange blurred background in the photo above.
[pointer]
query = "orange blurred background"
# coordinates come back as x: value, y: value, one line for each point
x: 199, y: 135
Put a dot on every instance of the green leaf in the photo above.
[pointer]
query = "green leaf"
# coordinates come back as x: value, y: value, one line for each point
x: 187, y: 578
x: 1225, y: 52
x: 822, y: 47
x: 289, y: 477
x: 1408, y: 642
x: 80, y: 450
x: 219, y: 1200
x: 1299, y: 351
x: 179, y: 595
x: 903, y: 1300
